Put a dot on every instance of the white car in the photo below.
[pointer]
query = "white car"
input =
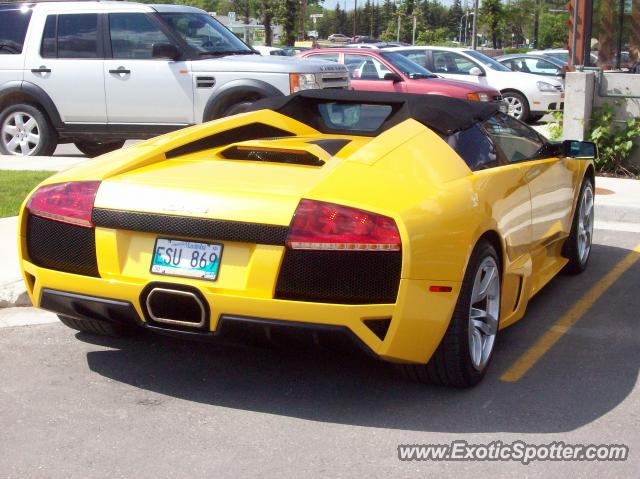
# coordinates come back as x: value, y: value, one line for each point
x: 561, y: 54
x: 528, y: 96
x: 268, y: 51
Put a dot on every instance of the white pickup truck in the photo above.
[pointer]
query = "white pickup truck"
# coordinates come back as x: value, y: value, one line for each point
x: 97, y: 73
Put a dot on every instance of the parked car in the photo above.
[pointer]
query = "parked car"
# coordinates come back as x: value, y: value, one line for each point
x: 98, y: 73
x: 529, y: 96
x: 536, y: 64
x: 420, y: 226
x: 268, y: 51
x: 339, y: 38
x: 561, y: 54
x: 364, y: 39
x: 385, y: 71
x: 293, y: 51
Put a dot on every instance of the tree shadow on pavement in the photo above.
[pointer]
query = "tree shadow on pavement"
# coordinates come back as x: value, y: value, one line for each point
x: 591, y: 370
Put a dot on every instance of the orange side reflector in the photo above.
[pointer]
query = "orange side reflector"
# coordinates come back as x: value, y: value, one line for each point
x: 440, y: 289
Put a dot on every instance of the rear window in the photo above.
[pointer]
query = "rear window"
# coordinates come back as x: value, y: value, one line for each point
x: 353, y: 117
x: 13, y: 29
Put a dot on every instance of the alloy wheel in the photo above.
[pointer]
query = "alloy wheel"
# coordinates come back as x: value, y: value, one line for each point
x: 20, y: 134
x: 484, y: 312
x: 585, y: 223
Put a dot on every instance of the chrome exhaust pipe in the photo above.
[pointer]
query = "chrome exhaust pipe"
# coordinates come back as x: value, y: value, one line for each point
x: 176, y: 307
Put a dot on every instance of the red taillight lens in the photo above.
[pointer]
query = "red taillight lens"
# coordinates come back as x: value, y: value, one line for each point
x: 65, y: 202
x: 325, y: 226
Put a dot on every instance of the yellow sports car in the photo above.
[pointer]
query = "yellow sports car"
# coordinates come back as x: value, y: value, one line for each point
x: 418, y: 225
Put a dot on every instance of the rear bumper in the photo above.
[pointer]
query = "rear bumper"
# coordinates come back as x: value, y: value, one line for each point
x: 418, y: 319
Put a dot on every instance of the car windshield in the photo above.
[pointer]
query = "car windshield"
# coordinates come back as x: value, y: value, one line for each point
x: 487, y: 61
x: 407, y: 67
x: 205, y: 34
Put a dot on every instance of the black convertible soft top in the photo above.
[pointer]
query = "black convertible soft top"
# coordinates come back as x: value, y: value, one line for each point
x: 443, y: 114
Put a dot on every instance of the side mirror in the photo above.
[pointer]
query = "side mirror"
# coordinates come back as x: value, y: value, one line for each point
x: 394, y: 77
x: 476, y: 72
x: 165, y: 51
x: 579, y: 149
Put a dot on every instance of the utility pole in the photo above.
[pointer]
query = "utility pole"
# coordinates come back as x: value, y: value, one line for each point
x: 536, y: 23
x: 474, y: 29
x: 413, y: 33
x: 355, y: 14
x: 398, y: 30
x: 303, y: 14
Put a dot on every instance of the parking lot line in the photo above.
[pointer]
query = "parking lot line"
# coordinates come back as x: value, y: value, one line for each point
x: 529, y: 358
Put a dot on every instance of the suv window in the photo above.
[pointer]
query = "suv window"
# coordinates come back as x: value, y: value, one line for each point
x: 365, y: 67
x: 517, y: 141
x: 13, y: 29
x: 475, y: 148
x: 70, y: 36
x: 133, y: 35
x: 450, y: 62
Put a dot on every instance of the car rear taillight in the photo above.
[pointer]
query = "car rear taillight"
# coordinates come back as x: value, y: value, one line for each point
x: 325, y: 226
x: 70, y: 202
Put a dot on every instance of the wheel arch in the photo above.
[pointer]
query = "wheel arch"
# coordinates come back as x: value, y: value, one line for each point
x: 235, y: 90
x: 24, y: 92
x: 494, y: 238
x: 515, y: 90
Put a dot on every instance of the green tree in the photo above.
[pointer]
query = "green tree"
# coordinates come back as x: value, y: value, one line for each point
x: 454, y: 17
x: 554, y: 31
x: 492, y: 16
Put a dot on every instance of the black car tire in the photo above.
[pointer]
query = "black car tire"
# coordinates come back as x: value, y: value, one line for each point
x: 48, y: 137
x: 100, y: 328
x: 96, y: 148
x: 451, y: 364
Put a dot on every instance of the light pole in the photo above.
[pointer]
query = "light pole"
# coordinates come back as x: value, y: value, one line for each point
x: 474, y: 40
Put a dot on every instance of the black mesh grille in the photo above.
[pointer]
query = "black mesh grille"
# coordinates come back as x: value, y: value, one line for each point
x: 345, y: 277
x: 221, y: 230
x: 272, y: 156
x: 62, y: 247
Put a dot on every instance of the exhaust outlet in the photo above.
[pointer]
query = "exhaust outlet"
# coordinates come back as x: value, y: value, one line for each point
x: 176, y: 307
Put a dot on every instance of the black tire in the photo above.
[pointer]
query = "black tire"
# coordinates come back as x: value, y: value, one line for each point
x: 48, y: 137
x: 534, y: 118
x: 451, y: 364
x: 96, y: 148
x: 571, y: 249
x: 524, y: 113
x: 100, y: 328
x: 240, y: 106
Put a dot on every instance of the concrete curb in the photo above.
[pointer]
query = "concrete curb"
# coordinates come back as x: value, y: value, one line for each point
x: 14, y: 295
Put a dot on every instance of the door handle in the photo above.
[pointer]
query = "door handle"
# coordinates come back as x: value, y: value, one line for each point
x: 41, y: 70
x: 121, y: 70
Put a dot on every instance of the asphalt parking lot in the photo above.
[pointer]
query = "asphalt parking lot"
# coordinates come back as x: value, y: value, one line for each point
x: 73, y: 405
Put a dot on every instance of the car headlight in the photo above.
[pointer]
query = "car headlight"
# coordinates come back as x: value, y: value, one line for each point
x: 544, y: 86
x: 478, y: 96
x: 303, y: 81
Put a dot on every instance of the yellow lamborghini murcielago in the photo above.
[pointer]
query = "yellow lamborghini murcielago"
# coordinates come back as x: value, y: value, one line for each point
x: 418, y: 225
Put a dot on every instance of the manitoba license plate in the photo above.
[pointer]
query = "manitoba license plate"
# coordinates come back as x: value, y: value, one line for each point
x: 188, y: 259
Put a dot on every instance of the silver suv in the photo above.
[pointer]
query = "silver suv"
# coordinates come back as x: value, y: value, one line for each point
x: 97, y: 73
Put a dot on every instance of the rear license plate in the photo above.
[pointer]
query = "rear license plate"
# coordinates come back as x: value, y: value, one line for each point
x: 188, y: 259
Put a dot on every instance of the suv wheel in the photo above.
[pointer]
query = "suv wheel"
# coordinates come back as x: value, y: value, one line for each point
x: 26, y: 131
x: 96, y: 148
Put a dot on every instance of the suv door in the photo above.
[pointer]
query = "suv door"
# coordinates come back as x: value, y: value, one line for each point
x: 68, y: 66
x: 140, y: 88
